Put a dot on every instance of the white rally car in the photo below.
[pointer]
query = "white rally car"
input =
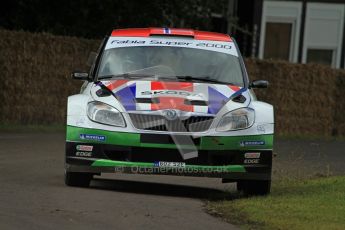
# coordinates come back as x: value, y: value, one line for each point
x: 173, y: 102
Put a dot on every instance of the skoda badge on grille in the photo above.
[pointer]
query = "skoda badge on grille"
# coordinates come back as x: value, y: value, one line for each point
x: 170, y: 114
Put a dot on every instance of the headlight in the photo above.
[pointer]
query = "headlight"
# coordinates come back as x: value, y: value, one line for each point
x: 105, y: 114
x: 238, y: 119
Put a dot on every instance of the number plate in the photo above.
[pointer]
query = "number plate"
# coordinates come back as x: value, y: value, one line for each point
x: 169, y: 164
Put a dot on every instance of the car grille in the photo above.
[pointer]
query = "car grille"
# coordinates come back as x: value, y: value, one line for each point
x: 160, y: 123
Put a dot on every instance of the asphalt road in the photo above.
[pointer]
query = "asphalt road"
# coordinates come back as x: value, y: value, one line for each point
x: 33, y: 195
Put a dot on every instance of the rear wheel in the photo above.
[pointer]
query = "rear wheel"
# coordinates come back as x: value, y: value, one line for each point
x: 77, y: 179
x: 254, y: 187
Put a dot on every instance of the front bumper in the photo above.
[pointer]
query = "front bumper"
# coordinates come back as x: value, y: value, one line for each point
x: 139, y: 153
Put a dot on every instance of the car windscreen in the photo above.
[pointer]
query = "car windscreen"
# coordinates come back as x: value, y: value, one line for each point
x: 165, y: 61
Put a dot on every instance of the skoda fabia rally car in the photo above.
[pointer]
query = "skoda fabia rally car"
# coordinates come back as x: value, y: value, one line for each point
x: 173, y: 102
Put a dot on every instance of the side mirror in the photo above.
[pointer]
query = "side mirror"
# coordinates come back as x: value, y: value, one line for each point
x: 259, y: 84
x: 78, y: 75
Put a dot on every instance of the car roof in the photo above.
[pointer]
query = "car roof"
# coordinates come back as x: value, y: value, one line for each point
x: 195, y: 34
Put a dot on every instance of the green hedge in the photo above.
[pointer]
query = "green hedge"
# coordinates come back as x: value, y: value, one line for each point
x: 35, y: 69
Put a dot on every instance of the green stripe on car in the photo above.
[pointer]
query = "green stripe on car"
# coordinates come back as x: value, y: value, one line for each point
x: 205, y: 168
x: 250, y: 142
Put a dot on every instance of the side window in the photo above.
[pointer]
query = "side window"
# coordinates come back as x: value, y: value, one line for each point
x: 112, y: 63
x: 91, y: 59
x: 93, y: 68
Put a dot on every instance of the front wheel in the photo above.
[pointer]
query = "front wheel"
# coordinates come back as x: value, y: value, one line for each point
x: 77, y: 179
x: 254, y: 187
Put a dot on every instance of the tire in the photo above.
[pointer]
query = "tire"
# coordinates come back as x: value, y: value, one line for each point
x: 77, y: 179
x: 254, y: 187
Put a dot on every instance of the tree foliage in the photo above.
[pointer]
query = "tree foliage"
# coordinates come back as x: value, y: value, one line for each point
x: 94, y: 18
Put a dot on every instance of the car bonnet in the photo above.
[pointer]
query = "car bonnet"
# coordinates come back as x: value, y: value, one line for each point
x: 145, y: 95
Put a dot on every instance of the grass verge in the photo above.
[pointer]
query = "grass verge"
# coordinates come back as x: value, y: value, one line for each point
x: 310, y: 204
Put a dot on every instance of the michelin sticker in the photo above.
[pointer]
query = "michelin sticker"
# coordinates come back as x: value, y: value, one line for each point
x: 251, y: 143
x: 218, y: 46
x: 92, y: 137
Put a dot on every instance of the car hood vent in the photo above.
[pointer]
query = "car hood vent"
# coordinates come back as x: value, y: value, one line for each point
x: 239, y: 99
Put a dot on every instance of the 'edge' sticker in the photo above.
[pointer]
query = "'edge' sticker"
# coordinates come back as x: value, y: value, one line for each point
x: 83, y: 154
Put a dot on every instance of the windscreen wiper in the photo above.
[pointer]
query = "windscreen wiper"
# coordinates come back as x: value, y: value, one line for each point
x: 126, y: 75
x: 204, y: 79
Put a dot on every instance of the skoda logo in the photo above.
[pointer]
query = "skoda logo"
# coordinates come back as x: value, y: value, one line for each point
x: 170, y: 114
